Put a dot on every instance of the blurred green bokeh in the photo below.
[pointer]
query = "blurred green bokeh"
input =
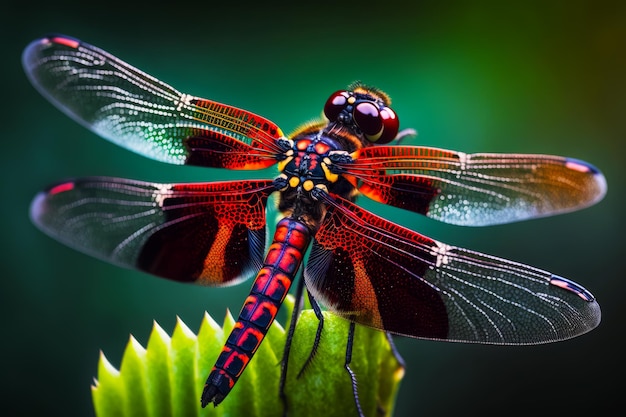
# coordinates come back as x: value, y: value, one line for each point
x: 533, y: 78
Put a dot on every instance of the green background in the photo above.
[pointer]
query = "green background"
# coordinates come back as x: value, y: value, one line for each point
x: 474, y: 77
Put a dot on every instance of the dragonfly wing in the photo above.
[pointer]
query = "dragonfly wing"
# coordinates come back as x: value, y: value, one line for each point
x: 476, y: 189
x: 380, y: 274
x: 139, y: 112
x: 207, y: 233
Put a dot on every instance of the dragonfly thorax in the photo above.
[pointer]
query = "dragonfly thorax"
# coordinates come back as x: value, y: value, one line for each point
x: 308, y: 168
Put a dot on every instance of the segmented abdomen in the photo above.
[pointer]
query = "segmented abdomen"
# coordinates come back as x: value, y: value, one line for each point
x: 268, y: 292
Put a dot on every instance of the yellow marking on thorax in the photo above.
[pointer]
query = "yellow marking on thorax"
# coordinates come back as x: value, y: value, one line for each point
x: 330, y: 176
x: 282, y: 164
x: 294, y: 181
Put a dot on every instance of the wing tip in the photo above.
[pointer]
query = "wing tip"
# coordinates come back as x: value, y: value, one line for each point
x: 38, y: 205
x: 598, y: 186
x: 589, y: 311
x: 571, y: 286
x: 37, y: 208
x: 47, y: 40
x: 32, y: 54
x: 55, y: 38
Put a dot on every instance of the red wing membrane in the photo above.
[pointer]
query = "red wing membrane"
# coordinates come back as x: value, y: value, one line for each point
x: 379, y: 274
x: 475, y: 189
x: 138, y: 112
x: 208, y: 233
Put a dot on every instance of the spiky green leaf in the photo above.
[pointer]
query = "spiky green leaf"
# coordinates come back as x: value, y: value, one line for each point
x: 167, y: 378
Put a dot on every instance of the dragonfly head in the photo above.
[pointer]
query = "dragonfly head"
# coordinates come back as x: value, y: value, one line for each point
x: 365, y: 111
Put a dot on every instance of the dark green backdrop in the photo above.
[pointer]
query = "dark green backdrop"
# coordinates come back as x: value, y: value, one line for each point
x: 497, y: 77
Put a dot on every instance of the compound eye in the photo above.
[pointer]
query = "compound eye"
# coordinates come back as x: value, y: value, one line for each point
x: 335, y: 104
x: 367, y: 117
x: 391, y: 124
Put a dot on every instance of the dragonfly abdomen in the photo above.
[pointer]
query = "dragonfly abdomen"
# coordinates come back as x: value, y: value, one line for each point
x: 270, y: 288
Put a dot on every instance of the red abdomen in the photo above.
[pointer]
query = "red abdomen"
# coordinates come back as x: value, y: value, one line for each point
x: 268, y: 292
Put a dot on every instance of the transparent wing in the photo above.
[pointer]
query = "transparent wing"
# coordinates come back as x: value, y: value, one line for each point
x: 139, y: 112
x: 207, y: 233
x: 475, y: 189
x: 380, y: 274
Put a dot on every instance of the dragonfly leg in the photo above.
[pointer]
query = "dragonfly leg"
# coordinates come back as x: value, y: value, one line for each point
x: 318, y: 334
x: 394, y: 350
x: 292, y: 328
x: 355, y: 390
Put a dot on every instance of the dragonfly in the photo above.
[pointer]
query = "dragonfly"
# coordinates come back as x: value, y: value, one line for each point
x: 354, y: 263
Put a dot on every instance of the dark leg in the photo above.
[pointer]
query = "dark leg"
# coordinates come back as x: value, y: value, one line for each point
x: 292, y: 328
x: 355, y: 390
x: 394, y: 350
x: 318, y: 334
